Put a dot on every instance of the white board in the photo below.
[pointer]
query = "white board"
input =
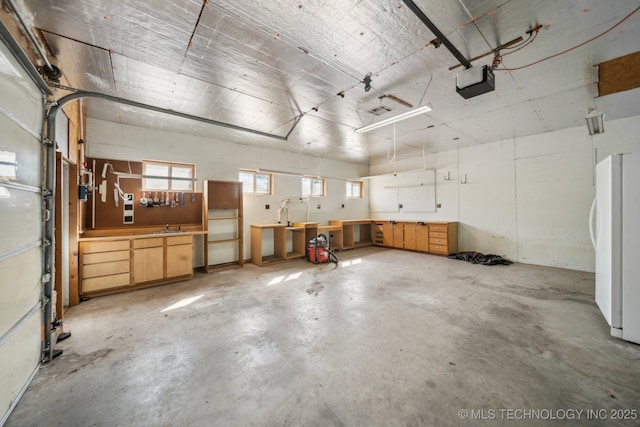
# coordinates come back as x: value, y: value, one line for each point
x: 414, y: 191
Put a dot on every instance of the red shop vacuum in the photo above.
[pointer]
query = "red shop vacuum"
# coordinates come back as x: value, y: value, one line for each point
x: 319, y: 250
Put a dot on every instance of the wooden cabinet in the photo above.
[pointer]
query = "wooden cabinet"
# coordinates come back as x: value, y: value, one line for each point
x: 179, y: 256
x: 223, y: 221
x: 443, y: 238
x: 409, y: 230
x: 422, y: 237
x: 148, y: 257
x: 113, y: 265
x: 355, y: 233
x: 104, y: 265
x: 334, y: 233
x: 378, y: 233
x: 260, y: 253
x: 398, y: 235
x: 437, y: 237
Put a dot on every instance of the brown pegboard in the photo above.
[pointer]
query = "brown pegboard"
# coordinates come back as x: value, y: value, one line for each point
x: 619, y: 74
x: 110, y: 216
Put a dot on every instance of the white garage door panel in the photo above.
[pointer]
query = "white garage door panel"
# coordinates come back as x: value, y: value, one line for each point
x: 21, y: 314
x: 23, y: 297
x: 19, y: 357
x: 23, y: 148
x: 21, y: 222
x: 20, y: 96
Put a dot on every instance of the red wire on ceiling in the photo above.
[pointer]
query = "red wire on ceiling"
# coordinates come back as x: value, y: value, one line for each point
x: 574, y: 47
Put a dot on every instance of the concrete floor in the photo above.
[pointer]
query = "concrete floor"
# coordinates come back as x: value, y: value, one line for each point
x: 388, y: 338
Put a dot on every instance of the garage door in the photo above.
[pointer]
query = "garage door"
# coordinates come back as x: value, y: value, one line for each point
x: 21, y: 249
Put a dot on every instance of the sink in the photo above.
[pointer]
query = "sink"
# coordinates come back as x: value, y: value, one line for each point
x: 168, y: 232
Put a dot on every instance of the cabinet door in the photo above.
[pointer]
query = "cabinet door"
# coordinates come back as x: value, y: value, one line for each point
x: 147, y: 264
x: 422, y: 238
x: 179, y: 260
x: 410, y: 236
x: 398, y: 236
x: 387, y: 237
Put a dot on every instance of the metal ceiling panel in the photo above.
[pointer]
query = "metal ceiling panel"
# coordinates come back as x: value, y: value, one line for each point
x: 154, y: 32
x: 153, y: 85
x: 84, y: 66
x: 262, y: 64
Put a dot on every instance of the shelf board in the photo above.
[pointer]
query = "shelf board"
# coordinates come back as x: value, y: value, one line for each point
x: 223, y: 241
x: 223, y: 218
x: 272, y: 258
x: 224, y: 266
x: 294, y: 255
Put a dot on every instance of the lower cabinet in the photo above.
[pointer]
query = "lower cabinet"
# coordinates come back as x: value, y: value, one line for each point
x: 116, y: 265
x: 437, y: 238
x: 148, y: 260
x: 443, y: 238
x: 179, y: 256
x: 104, y: 265
x: 422, y: 237
x: 410, y: 241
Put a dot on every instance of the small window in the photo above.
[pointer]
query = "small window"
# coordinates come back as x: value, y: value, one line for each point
x: 254, y: 182
x: 168, y: 176
x: 8, y: 165
x: 354, y: 189
x: 313, y: 187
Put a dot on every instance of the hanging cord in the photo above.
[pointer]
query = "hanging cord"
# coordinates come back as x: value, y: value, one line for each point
x: 426, y: 89
x: 574, y: 47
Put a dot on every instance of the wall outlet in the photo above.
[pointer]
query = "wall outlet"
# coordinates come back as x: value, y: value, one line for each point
x: 267, y: 207
x: 318, y: 206
x: 400, y: 206
x: 439, y: 205
x: 342, y: 206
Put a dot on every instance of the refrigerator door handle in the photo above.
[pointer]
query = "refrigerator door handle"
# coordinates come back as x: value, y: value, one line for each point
x: 591, y: 231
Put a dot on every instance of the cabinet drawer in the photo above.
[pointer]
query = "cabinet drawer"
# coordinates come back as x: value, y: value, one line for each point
x: 438, y: 227
x: 104, y: 257
x: 440, y: 242
x: 437, y: 235
x: 105, y: 282
x: 105, y: 269
x: 439, y: 249
x: 179, y: 240
x: 92, y: 247
x: 147, y: 243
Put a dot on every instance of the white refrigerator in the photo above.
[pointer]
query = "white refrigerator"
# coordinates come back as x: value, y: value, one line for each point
x: 615, y: 232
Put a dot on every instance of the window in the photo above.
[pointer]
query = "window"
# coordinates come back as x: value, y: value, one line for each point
x: 254, y: 182
x: 354, y: 189
x: 313, y: 187
x: 168, y: 176
x: 8, y: 165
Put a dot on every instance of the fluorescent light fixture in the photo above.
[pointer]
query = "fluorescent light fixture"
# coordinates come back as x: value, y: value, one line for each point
x: 395, y: 119
x: 595, y: 122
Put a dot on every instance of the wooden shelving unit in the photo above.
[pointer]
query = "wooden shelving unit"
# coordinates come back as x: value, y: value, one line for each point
x: 351, y: 239
x: 222, y: 221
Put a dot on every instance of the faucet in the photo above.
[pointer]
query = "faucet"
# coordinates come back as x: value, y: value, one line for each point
x: 166, y: 227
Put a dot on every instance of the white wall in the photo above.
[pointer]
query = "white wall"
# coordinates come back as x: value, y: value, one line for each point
x: 221, y: 160
x: 528, y: 198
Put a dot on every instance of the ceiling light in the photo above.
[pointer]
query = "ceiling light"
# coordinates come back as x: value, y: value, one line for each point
x: 595, y: 122
x: 395, y: 119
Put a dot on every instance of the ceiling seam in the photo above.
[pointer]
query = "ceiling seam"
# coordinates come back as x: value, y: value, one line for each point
x: 193, y: 33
